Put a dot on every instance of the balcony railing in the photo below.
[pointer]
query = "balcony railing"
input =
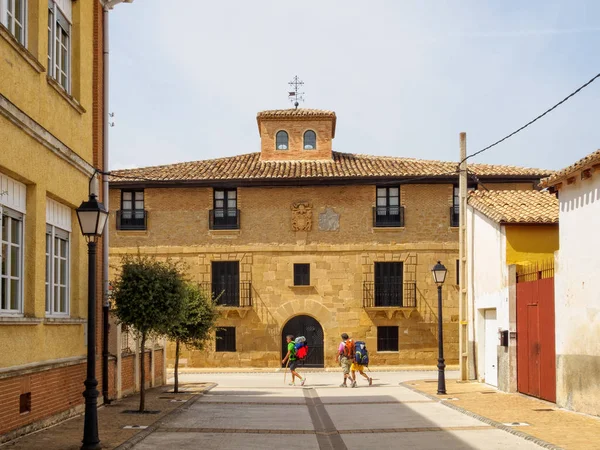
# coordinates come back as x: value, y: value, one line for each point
x: 388, y: 216
x: 130, y: 219
x: 224, y: 219
x: 454, y: 216
x: 382, y: 295
x: 237, y: 294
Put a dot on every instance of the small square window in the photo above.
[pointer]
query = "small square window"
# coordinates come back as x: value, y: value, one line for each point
x: 225, y: 339
x: 25, y: 403
x: 387, y: 339
x: 301, y: 274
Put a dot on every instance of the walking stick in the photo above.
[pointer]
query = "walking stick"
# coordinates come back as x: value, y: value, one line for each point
x: 285, y: 374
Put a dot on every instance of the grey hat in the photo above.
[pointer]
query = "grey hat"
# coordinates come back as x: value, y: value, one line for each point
x: 344, y: 336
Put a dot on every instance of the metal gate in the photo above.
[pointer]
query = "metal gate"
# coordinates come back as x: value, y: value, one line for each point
x: 313, y: 332
x: 536, y: 353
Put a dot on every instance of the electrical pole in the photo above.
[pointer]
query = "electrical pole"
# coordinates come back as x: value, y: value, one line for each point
x: 463, y: 332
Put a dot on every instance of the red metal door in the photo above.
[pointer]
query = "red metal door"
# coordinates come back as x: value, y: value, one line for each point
x: 536, y: 366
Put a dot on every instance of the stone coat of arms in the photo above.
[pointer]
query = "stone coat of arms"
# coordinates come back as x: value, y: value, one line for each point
x: 301, y: 216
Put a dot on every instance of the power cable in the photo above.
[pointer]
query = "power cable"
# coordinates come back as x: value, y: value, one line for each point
x: 572, y: 94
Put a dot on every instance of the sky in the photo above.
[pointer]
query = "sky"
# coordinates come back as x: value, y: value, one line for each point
x: 404, y: 77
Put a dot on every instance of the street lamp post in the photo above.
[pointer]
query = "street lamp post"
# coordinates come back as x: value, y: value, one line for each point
x: 92, y: 217
x: 439, y: 276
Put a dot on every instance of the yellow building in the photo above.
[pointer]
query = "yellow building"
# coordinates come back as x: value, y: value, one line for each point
x: 301, y: 239
x: 50, y: 92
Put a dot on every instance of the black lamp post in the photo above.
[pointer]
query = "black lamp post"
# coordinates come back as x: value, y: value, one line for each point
x: 439, y: 276
x: 92, y: 217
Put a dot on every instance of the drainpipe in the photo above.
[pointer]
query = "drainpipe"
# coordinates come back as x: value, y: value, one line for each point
x: 105, y: 241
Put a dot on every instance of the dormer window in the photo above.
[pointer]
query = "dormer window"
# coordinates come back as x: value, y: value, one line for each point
x: 281, y: 140
x: 310, y: 140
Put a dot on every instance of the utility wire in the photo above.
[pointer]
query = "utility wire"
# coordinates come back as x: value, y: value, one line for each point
x: 572, y: 94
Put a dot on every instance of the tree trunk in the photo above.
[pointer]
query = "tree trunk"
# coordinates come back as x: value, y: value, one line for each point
x: 176, y: 387
x: 143, y: 375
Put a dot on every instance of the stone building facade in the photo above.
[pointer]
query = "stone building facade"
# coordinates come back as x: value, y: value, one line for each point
x: 298, y: 238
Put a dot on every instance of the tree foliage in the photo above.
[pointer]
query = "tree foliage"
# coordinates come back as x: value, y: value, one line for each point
x: 197, y: 322
x: 149, y: 296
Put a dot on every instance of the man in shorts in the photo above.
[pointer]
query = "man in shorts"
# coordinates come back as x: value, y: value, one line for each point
x: 293, y: 362
x: 361, y: 369
x: 345, y: 357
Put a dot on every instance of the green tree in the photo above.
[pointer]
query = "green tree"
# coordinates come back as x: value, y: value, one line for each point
x: 196, y: 326
x: 149, y: 296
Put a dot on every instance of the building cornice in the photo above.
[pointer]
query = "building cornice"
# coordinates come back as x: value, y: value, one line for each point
x: 43, y: 136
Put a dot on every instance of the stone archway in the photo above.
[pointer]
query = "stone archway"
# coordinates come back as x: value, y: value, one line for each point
x: 312, y: 330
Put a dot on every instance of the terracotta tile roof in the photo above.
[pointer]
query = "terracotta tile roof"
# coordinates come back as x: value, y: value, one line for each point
x: 342, y: 165
x: 593, y: 159
x: 516, y: 206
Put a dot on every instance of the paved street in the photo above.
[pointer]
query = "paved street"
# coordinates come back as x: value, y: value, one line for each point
x: 259, y: 411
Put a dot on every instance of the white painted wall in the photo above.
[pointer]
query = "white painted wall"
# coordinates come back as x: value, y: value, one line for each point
x: 487, y: 279
x: 577, y: 296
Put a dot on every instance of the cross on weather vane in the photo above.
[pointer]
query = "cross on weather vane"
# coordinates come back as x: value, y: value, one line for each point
x: 295, y: 96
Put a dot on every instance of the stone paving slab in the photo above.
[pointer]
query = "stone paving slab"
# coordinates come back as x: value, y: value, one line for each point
x: 358, y: 395
x: 225, y: 416
x: 485, y: 438
x: 412, y: 415
x: 546, y: 421
x: 225, y: 441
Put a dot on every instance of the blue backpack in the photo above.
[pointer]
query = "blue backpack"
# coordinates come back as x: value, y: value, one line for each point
x: 362, y: 354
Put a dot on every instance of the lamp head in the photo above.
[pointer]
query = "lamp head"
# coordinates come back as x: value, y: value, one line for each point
x: 439, y: 272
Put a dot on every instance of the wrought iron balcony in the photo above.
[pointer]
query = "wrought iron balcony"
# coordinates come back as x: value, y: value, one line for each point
x: 386, y: 295
x: 388, y: 216
x: 224, y: 219
x: 234, y: 294
x: 132, y: 219
x: 454, y: 216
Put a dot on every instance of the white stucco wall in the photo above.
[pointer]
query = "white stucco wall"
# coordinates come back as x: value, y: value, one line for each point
x: 487, y: 278
x: 577, y: 296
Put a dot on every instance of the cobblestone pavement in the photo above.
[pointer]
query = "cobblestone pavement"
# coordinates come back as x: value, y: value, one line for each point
x: 259, y: 411
x: 537, y: 418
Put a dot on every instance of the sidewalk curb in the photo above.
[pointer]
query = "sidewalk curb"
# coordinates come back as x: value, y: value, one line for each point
x: 483, y: 419
x: 136, y: 439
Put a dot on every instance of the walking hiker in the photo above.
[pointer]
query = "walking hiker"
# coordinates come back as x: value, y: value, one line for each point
x: 361, y: 360
x: 345, y: 357
x: 292, y: 360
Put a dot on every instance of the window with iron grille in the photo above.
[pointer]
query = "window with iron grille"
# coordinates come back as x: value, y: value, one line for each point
x: 59, y: 43
x: 13, y: 15
x: 225, y: 341
x: 389, y: 286
x: 132, y: 215
x: 226, y: 282
x: 388, y: 212
x: 225, y: 213
x: 387, y: 339
x: 301, y: 274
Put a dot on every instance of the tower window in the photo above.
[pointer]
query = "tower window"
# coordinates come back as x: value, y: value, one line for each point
x: 281, y: 140
x: 310, y: 140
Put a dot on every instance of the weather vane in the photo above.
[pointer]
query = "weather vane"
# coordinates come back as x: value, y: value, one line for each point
x: 295, y: 96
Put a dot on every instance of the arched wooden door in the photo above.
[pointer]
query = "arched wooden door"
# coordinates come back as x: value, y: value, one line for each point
x: 313, y: 332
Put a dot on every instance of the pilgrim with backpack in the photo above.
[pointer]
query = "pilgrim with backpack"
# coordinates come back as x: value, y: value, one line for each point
x: 361, y: 360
